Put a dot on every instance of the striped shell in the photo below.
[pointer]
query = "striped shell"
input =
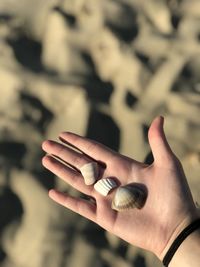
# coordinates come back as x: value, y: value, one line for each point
x: 104, y: 186
x: 128, y: 197
x: 90, y: 172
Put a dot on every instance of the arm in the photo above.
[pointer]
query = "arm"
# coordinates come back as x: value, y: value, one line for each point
x: 169, y: 206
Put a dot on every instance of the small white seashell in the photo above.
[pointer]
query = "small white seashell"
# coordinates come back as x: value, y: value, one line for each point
x: 128, y: 197
x: 90, y: 172
x: 103, y: 186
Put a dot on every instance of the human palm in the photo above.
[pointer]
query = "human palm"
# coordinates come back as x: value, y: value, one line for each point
x: 165, y: 210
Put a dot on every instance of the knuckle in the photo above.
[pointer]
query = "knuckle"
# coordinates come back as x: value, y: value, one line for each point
x: 60, y: 151
x: 92, y: 146
x: 78, y: 161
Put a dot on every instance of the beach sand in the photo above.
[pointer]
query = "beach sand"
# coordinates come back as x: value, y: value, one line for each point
x: 103, y: 69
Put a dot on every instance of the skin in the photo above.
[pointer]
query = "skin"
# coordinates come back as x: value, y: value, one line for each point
x: 169, y: 206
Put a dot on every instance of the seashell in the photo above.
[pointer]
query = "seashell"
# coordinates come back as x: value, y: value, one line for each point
x: 103, y: 186
x: 90, y: 172
x: 128, y: 197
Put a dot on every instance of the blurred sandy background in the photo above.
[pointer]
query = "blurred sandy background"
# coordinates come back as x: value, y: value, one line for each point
x: 103, y: 69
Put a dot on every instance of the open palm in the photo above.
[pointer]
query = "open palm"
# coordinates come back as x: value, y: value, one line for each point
x: 149, y: 227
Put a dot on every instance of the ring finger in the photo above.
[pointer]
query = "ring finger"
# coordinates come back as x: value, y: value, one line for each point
x: 69, y: 175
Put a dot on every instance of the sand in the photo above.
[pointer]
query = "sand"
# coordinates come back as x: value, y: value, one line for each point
x: 103, y: 69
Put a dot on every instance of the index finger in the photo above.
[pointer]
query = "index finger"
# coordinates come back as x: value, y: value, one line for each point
x: 89, y: 147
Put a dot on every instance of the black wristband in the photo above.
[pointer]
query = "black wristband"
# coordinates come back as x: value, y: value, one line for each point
x: 180, y: 238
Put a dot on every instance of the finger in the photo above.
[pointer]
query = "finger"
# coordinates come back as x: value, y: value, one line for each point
x: 80, y: 206
x: 89, y: 147
x: 67, y: 174
x: 67, y: 154
x: 161, y: 150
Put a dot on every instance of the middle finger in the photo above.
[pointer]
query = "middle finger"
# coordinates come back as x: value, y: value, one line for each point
x: 68, y: 155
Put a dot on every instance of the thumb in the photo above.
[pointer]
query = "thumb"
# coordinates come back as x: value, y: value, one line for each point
x: 160, y: 148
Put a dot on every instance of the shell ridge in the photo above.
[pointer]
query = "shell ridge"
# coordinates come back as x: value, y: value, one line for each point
x: 127, y: 197
x: 104, y: 186
x: 89, y: 172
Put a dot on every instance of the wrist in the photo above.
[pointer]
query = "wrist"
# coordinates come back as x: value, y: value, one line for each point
x: 179, y: 228
x: 188, y: 254
x: 182, y: 242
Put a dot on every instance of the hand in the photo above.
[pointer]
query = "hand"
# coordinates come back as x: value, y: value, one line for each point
x: 169, y: 206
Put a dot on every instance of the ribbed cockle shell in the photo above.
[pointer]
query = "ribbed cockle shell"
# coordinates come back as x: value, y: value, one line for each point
x: 128, y: 197
x: 105, y: 185
x: 90, y: 172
